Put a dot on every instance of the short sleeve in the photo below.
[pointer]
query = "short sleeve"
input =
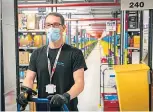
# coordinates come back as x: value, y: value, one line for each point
x: 32, y: 64
x: 79, y: 61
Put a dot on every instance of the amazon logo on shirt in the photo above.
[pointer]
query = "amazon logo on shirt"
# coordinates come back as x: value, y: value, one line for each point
x: 60, y: 63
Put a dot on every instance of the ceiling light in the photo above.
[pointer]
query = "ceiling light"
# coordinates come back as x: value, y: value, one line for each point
x: 27, y: 12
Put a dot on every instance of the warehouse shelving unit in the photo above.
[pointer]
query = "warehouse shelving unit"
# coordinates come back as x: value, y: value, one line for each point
x: 131, y: 37
x: 146, y: 15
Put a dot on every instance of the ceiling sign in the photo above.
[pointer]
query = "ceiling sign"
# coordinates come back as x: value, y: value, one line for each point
x: 111, y: 26
x: 136, y: 4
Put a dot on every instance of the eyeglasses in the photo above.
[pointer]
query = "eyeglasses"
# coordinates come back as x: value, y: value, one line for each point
x: 54, y: 25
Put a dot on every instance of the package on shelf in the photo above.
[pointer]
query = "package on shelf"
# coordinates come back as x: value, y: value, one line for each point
x: 118, y: 28
x: 41, y: 22
x: 23, y: 57
x: 21, y: 73
x: 131, y: 41
x: 22, y: 21
x: 133, y: 19
x: 26, y: 40
x: 38, y: 41
x: 32, y: 41
x: 37, y: 22
x: 31, y: 21
x: 137, y: 41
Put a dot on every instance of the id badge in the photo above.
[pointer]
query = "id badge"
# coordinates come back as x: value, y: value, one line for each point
x: 50, y: 88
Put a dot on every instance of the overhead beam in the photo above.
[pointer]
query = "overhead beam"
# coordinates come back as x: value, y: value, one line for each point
x: 89, y: 14
x: 93, y: 19
x: 69, y: 5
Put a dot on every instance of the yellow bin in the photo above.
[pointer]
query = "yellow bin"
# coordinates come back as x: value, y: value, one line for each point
x: 132, y: 87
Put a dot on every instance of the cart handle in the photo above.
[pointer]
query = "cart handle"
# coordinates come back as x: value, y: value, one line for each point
x: 44, y: 100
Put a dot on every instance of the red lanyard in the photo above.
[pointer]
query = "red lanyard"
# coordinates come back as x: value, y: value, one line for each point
x: 51, y: 72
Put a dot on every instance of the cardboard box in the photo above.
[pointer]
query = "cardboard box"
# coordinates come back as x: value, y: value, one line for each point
x: 26, y: 57
x: 135, y: 57
x: 22, y: 21
x: 136, y: 45
x: 23, y: 57
x: 136, y: 39
x: 31, y: 21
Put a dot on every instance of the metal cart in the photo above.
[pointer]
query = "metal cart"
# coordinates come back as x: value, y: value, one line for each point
x: 41, y: 100
x: 109, y: 100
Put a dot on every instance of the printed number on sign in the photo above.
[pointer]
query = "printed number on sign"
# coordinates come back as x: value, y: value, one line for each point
x: 136, y: 5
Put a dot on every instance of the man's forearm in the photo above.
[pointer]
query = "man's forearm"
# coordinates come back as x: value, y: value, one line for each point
x: 28, y: 83
x: 76, y: 90
x: 29, y: 79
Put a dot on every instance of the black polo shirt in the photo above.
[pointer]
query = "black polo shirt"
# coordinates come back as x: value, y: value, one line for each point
x: 70, y: 60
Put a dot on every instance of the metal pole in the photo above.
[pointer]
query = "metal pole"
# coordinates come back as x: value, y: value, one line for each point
x: 115, y: 41
x: 84, y: 43
x: 122, y: 38
x: 16, y: 47
x: 2, y: 75
x: 150, y: 41
x: 70, y: 29
x: 77, y: 44
x: 141, y: 35
x: 56, y: 7
x: 52, y: 7
x: 1, y: 56
x: 68, y: 25
x: 2, y: 100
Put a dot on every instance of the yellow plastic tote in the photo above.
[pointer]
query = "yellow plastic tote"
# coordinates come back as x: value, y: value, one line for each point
x: 132, y: 87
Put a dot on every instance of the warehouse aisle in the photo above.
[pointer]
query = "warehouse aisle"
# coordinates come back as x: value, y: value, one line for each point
x: 89, y: 98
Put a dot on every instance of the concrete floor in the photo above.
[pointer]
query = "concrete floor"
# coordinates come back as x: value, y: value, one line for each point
x: 89, y: 98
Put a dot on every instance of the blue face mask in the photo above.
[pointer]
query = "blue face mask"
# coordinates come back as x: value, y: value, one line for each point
x: 53, y: 34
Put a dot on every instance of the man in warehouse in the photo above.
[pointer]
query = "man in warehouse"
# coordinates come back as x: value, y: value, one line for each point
x: 58, y: 67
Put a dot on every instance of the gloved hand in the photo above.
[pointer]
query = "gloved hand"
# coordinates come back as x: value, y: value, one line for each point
x: 59, y: 99
x: 22, y: 98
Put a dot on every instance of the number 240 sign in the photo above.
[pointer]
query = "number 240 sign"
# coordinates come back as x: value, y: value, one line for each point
x: 136, y: 4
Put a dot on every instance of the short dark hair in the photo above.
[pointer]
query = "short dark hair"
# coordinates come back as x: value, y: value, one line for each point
x: 57, y: 15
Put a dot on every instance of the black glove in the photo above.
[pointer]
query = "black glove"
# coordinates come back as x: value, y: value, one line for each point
x: 59, y: 99
x: 26, y: 94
